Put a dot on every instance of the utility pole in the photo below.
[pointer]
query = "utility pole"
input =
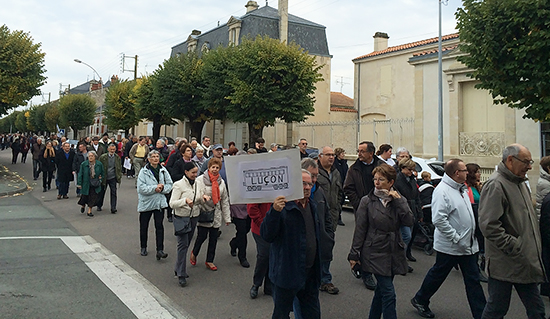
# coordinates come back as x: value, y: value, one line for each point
x: 124, y: 57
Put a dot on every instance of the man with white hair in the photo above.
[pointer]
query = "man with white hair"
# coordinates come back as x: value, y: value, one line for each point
x: 513, y: 246
x: 37, y: 150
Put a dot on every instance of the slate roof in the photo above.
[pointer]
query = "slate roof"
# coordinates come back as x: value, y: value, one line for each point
x: 408, y: 46
x: 265, y: 21
x: 85, y: 87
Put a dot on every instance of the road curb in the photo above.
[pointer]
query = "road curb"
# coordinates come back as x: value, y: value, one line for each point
x: 11, y: 183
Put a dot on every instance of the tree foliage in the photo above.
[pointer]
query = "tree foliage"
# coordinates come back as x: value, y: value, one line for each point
x: 76, y: 111
x: 37, y: 118
x: 177, y: 88
x: 148, y: 105
x: 120, y: 111
x: 51, y: 118
x: 507, y: 45
x: 21, y: 122
x: 262, y: 80
x: 21, y: 68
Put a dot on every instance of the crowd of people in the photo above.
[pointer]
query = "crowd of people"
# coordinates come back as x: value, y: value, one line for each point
x: 492, y: 233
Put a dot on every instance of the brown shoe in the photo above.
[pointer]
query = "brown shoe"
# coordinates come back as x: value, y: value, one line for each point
x: 330, y: 288
x: 58, y: 196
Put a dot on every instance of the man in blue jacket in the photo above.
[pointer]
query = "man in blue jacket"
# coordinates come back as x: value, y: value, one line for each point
x: 292, y: 228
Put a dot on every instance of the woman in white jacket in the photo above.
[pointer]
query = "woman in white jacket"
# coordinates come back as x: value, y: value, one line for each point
x: 215, y: 198
x: 185, y: 201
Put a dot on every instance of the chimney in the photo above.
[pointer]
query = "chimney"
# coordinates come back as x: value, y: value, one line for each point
x: 114, y: 79
x: 195, y: 32
x: 380, y: 41
x: 283, y: 20
x: 251, y: 6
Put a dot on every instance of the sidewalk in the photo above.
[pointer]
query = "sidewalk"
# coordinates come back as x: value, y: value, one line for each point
x: 10, y: 182
x: 49, y: 271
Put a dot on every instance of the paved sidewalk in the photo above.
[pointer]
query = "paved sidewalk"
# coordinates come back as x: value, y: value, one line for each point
x: 10, y: 182
x: 48, y: 271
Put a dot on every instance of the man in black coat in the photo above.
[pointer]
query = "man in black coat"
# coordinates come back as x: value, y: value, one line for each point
x: 64, y: 159
x: 359, y: 183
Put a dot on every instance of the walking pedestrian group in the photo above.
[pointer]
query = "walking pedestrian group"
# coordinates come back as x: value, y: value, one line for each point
x: 490, y: 231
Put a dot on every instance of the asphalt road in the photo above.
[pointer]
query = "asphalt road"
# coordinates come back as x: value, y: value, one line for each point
x: 225, y: 293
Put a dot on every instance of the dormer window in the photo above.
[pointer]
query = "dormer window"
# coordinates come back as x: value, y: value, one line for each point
x: 234, y: 25
x: 205, y: 47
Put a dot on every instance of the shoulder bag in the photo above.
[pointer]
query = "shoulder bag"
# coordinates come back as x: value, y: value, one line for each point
x: 182, y: 225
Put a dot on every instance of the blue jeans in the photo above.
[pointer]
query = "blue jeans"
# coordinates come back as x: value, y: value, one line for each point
x: 63, y: 188
x: 308, y: 297
x: 499, y: 299
x: 435, y: 277
x: 384, y: 301
x: 405, y: 234
x: 326, y: 277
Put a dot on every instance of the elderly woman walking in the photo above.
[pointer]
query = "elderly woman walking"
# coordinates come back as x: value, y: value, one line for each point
x: 153, y: 183
x: 89, y: 181
x: 186, y: 199
x: 215, y: 199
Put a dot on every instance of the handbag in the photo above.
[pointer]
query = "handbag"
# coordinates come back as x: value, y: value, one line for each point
x: 95, y: 182
x: 182, y: 225
x: 206, y: 216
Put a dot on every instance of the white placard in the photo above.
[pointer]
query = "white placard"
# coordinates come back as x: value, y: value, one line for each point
x: 260, y: 178
x: 127, y: 164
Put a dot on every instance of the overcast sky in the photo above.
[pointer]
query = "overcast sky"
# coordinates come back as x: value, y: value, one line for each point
x: 99, y: 32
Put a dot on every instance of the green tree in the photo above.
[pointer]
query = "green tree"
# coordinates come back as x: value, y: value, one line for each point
x: 177, y: 86
x: 51, y: 117
x: 21, y: 68
x: 21, y: 122
x: 76, y: 111
x: 37, y: 118
x: 507, y: 45
x: 265, y: 80
x: 148, y: 105
x: 120, y: 111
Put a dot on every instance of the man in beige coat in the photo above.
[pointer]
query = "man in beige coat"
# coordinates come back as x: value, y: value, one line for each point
x: 512, y: 239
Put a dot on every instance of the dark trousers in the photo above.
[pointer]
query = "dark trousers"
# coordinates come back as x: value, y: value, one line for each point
x: 24, y: 157
x: 47, y: 177
x: 499, y: 299
x: 36, y: 168
x: 183, y: 246
x: 14, y: 155
x: 384, y: 300
x: 63, y: 188
x: 212, y: 234
x: 261, y: 271
x: 435, y: 277
x: 308, y: 298
x: 168, y: 209
x: 144, y: 218
x: 111, y: 183
x: 239, y: 242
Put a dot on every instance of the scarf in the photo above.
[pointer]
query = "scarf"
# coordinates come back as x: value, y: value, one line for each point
x: 92, y: 170
x: 384, y: 196
x: 215, y: 187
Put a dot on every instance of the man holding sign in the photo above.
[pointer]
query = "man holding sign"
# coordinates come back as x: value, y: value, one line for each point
x: 292, y: 228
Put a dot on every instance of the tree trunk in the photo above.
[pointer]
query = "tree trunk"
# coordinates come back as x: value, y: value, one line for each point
x: 196, y: 130
x: 253, y: 134
x: 156, y: 129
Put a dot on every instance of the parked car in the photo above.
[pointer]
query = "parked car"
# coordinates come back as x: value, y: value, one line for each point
x: 433, y: 166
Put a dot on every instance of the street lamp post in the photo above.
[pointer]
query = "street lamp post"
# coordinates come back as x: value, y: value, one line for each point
x: 440, y: 92
x: 100, y: 107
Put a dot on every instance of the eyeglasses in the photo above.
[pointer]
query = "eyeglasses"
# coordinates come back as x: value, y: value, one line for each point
x: 526, y: 162
x: 307, y: 184
x: 329, y: 154
x: 362, y: 151
x: 302, y: 143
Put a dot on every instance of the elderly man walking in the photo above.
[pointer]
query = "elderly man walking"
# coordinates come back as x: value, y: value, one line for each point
x: 509, y: 223
x: 454, y: 241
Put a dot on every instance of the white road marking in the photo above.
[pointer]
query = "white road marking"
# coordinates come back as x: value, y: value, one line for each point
x: 137, y: 293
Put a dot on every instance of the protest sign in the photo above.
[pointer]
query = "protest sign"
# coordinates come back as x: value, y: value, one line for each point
x: 260, y: 178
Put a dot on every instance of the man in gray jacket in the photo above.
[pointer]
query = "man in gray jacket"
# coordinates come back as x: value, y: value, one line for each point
x: 509, y: 223
x: 454, y: 241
